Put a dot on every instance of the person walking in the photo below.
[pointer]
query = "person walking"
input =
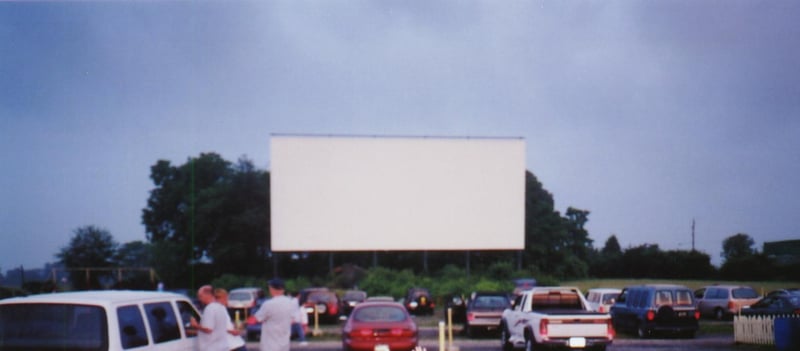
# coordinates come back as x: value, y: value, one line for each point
x: 235, y: 340
x: 275, y: 316
x: 213, y: 325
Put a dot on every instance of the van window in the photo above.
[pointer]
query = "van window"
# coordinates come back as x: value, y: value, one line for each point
x: 52, y: 326
x: 131, y: 327
x: 609, y: 298
x: 163, y: 324
x: 187, y: 312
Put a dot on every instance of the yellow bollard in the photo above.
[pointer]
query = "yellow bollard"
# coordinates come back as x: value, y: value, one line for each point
x: 450, y: 327
x: 441, y: 336
x: 317, y: 331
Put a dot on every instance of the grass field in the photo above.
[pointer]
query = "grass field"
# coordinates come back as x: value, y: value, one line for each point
x: 762, y: 287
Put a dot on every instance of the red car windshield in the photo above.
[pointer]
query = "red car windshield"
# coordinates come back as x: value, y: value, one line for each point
x: 380, y: 314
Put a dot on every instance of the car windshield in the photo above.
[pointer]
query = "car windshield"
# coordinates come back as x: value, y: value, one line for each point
x: 609, y: 298
x: 380, y: 314
x: 354, y: 295
x: 240, y: 296
x: 744, y: 293
x: 317, y: 297
x: 52, y: 327
x: 491, y: 302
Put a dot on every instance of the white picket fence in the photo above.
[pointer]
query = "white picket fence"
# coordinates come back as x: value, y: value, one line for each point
x: 758, y: 330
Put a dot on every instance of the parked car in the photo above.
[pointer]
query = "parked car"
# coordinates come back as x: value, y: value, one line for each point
x: 484, y: 311
x: 783, y: 304
x: 790, y: 291
x: 245, y: 298
x: 601, y: 299
x: 523, y: 284
x: 326, y: 304
x: 724, y: 301
x: 98, y: 320
x: 457, y: 304
x: 350, y: 299
x: 656, y: 308
x: 418, y: 301
x: 379, y: 326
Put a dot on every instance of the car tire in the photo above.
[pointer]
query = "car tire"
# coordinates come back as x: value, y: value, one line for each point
x: 599, y: 348
x: 505, y: 343
x: 719, y: 314
x: 530, y: 342
x: 642, y: 331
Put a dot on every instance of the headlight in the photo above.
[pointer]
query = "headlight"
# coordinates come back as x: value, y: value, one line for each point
x: 352, y: 303
x: 413, y: 304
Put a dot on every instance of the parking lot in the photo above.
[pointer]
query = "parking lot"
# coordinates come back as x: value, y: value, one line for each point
x: 713, y: 336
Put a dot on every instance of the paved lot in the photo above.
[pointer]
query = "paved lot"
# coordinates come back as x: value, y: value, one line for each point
x: 716, y: 342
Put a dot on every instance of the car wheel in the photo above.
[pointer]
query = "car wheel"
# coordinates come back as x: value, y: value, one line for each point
x: 504, y: 339
x: 530, y: 343
x: 600, y: 348
x: 642, y: 331
x: 470, y: 331
x: 718, y: 314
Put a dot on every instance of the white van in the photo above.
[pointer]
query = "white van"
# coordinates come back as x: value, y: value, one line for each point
x: 98, y: 320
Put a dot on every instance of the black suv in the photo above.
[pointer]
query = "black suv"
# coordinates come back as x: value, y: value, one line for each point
x: 418, y: 301
x: 656, y: 308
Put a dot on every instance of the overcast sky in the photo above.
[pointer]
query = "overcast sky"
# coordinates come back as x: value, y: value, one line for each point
x: 646, y: 113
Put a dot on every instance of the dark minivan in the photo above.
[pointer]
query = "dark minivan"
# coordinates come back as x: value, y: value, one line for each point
x: 656, y: 308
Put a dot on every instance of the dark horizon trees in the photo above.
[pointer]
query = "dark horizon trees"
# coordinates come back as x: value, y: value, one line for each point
x: 209, y: 217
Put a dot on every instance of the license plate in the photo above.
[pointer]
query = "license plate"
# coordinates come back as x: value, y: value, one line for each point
x: 381, y: 347
x: 683, y: 314
x: 577, y: 342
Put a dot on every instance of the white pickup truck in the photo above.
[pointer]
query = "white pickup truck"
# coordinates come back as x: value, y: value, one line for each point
x: 554, y: 316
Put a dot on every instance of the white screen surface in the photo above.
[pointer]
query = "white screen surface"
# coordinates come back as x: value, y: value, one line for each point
x: 396, y: 193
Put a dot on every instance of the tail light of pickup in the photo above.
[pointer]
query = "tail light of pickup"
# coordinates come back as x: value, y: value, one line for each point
x: 543, y: 328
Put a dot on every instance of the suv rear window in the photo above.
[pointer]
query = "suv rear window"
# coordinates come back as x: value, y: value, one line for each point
x: 745, y: 293
x: 53, y: 327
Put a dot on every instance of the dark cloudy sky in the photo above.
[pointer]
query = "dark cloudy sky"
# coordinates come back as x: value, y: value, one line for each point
x: 646, y: 113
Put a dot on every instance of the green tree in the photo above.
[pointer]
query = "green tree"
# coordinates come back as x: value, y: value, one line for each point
x: 89, y: 247
x: 208, y: 217
x: 553, y: 245
x: 611, y: 246
x: 737, y: 246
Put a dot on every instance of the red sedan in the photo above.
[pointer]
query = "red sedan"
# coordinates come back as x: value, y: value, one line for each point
x: 379, y: 326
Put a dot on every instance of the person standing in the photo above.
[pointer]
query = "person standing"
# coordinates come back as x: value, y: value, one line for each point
x: 275, y: 316
x: 213, y: 326
x: 300, y: 321
x: 235, y: 340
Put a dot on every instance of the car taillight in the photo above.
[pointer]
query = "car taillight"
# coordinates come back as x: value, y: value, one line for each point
x: 543, y: 328
x: 651, y: 315
x: 401, y: 332
x: 252, y: 320
x: 333, y: 309
x: 610, y: 330
x: 697, y: 315
x: 731, y: 306
x: 470, y: 316
x: 602, y: 309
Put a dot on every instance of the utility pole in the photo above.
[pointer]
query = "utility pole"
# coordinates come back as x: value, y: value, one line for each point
x: 692, y: 234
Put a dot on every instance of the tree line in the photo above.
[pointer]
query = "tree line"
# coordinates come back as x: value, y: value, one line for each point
x: 210, y: 217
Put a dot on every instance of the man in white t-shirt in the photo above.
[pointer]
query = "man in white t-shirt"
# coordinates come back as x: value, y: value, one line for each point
x: 213, y: 326
x: 275, y: 316
x: 235, y: 340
